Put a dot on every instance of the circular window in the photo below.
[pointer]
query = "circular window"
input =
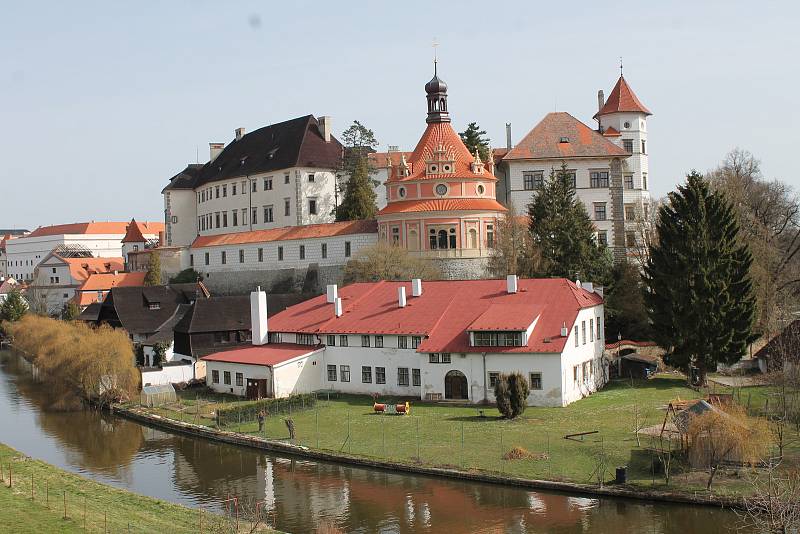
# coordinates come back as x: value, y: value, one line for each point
x: 627, y: 124
x: 446, y: 168
x: 401, y: 192
x: 433, y: 168
x: 441, y: 190
x: 481, y: 189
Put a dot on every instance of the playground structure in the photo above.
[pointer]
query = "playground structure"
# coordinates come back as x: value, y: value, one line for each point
x: 392, y: 409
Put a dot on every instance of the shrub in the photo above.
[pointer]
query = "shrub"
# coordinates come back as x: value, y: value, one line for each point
x: 511, y: 394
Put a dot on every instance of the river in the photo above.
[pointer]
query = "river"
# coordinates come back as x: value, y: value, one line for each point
x: 198, y: 473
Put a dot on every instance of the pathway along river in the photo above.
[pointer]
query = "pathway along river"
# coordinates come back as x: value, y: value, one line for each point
x: 198, y: 473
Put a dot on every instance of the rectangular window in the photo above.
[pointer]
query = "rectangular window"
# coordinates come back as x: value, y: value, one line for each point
x: 627, y: 144
x: 600, y: 211
x: 591, y: 329
x: 576, y: 335
x: 490, y: 235
x: 347, y: 249
x: 598, y: 329
x: 217, y: 196
x: 233, y: 190
x: 312, y: 206
x: 402, y: 342
x: 365, y: 341
x: 254, y: 187
x: 241, y: 255
x: 306, y: 339
x: 380, y: 375
x: 366, y: 374
x: 207, y: 255
x: 311, y: 177
x: 415, y: 341
x: 215, y: 376
x: 274, y: 337
x: 191, y: 260
x: 254, y: 216
x: 583, y: 332
x: 244, y: 187
x: 402, y: 376
x: 572, y: 178
x: 226, y: 377
x: 433, y: 357
x: 331, y: 373
x: 416, y: 378
x: 239, y: 379
x: 224, y: 190
x: 532, y: 180
x: 343, y: 340
x: 235, y: 217
x: 244, y: 216
x: 644, y: 180
x: 344, y: 371
x: 216, y: 216
x: 602, y: 238
x: 331, y: 340
x: 630, y: 239
x: 575, y: 374
x: 267, y: 184
x: 497, y: 339
x: 260, y: 254
x: 223, y: 257
x: 536, y: 380
x: 302, y: 252
x: 494, y: 376
x: 268, y: 214
x: 628, y: 181
x: 286, y: 207
x: 644, y: 146
x: 286, y: 178
x: 324, y: 250
x: 379, y: 342
x: 630, y: 212
x: 280, y: 253
x: 445, y: 357
x: 598, y: 179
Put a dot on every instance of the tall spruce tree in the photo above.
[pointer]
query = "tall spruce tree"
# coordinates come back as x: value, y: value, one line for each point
x: 475, y: 139
x: 699, y: 295
x: 153, y: 276
x: 359, y: 196
x: 563, y: 233
x: 13, y: 307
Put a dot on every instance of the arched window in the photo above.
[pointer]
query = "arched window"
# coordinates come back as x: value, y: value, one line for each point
x: 473, y: 238
x: 443, y: 239
x: 452, y: 238
x: 413, y: 240
x: 432, y: 239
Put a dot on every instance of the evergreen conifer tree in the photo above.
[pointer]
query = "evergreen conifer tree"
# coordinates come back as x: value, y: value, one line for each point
x: 13, y: 307
x: 359, y: 197
x: 475, y: 139
x: 564, y: 234
x: 153, y: 276
x: 699, y: 294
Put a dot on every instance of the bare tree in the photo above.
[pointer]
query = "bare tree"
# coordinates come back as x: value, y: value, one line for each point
x: 774, y: 504
x: 513, y: 250
x: 645, y: 228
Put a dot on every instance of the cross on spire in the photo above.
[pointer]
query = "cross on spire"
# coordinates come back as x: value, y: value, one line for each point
x: 620, y: 66
x: 435, y: 45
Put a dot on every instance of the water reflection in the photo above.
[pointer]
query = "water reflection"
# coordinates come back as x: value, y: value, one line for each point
x: 302, y: 493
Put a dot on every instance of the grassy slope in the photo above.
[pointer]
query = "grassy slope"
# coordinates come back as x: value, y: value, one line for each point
x: 611, y: 411
x: 21, y: 515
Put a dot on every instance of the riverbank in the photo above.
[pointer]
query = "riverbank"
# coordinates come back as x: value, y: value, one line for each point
x: 43, y: 498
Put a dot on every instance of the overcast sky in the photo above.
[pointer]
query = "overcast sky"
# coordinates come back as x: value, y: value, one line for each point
x: 101, y: 104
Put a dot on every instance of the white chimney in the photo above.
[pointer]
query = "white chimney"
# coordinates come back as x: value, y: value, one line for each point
x: 512, y: 283
x: 337, y: 307
x: 214, y: 149
x: 416, y: 287
x: 333, y: 293
x: 116, y: 272
x: 601, y: 100
x: 588, y: 286
x: 325, y: 124
x: 401, y: 296
x: 578, y: 282
x: 564, y: 331
x: 239, y: 133
x: 258, y: 317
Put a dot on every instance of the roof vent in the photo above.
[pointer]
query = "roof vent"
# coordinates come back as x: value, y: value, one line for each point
x: 337, y: 307
x: 564, y: 139
x: 401, y: 296
x: 239, y: 133
x: 588, y: 286
x: 578, y: 283
x: 564, y: 331
x: 333, y: 293
x: 416, y: 287
x: 512, y: 283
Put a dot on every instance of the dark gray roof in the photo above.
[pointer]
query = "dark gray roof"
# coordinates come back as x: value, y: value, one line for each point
x: 165, y: 330
x: 293, y: 143
x: 221, y: 314
x: 91, y: 313
x: 133, y: 308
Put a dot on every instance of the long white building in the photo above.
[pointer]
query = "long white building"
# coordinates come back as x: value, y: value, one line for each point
x: 440, y: 340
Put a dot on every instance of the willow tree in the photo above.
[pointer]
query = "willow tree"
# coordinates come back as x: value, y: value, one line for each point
x: 698, y: 294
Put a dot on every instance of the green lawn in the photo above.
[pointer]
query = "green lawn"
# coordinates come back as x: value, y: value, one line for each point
x: 457, y: 436
x: 105, y: 507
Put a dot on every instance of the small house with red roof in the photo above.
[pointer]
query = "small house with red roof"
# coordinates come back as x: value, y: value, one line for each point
x: 434, y: 340
x: 608, y: 164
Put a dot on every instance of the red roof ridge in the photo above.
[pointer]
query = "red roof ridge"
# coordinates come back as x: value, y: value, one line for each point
x: 133, y: 234
x: 287, y: 233
x: 622, y: 99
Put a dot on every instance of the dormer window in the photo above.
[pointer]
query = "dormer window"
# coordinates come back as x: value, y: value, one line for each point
x: 497, y: 339
x: 446, y: 167
x: 433, y: 168
x: 154, y: 306
x: 564, y: 140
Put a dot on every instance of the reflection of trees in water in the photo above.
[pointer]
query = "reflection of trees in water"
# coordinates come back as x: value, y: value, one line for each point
x: 100, y: 442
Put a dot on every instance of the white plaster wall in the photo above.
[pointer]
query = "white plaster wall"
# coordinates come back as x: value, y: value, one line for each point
x: 168, y: 375
x: 249, y: 371
x: 182, y: 204
x: 299, y: 375
x: 591, y: 351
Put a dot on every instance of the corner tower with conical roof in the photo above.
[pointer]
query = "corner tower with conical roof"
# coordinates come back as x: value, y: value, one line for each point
x: 441, y: 201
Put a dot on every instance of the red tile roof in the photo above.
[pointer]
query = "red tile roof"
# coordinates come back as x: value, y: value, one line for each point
x: 436, y: 135
x: 445, y: 312
x: 544, y: 141
x: 96, y: 228
x: 105, y: 281
x: 5, y: 239
x: 443, y: 204
x: 611, y: 132
x: 83, y: 268
x: 133, y: 233
x: 270, y: 354
x: 622, y: 98
x: 378, y: 159
x: 288, y: 232
x: 7, y: 285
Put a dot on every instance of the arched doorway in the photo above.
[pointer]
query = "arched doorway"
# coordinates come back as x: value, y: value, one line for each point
x: 455, y: 385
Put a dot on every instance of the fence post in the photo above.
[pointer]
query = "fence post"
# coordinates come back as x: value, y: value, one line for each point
x: 84, y: 513
x: 349, y: 441
x: 462, y: 444
x: 65, y: 504
x: 316, y: 422
x: 10, y: 471
x: 383, y: 434
x: 47, y: 493
x: 502, y: 466
x: 31, y: 487
x: 418, y: 458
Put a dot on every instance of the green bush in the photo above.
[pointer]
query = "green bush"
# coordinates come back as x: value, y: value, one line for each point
x: 511, y: 394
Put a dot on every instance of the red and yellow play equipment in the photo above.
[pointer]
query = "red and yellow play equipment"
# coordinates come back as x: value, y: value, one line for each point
x: 393, y: 409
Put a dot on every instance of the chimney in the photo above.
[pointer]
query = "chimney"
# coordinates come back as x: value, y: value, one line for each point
x: 116, y: 272
x: 325, y: 128
x: 416, y: 287
x: 161, y: 238
x: 401, y: 296
x: 578, y: 283
x: 512, y: 283
x: 258, y: 317
x: 588, y: 286
x: 337, y: 307
x: 239, y: 133
x: 601, y: 100
x: 214, y: 150
x: 333, y: 293
x: 508, y: 135
x: 564, y: 331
